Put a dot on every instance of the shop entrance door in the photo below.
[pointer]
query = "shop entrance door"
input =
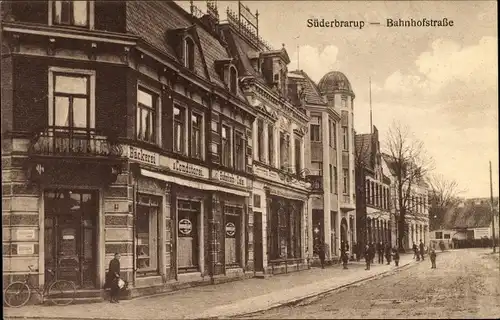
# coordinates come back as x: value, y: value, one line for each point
x: 70, y: 236
x: 258, y: 249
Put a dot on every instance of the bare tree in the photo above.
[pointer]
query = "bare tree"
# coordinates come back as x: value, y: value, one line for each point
x: 443, y: 196
x: 406, y: 157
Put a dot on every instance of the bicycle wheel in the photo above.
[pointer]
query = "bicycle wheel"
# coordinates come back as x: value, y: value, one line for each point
x: 17, y: 294
x: 62, y: 292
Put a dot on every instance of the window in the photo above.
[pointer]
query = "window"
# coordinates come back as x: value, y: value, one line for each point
x: 343, y: 102
x: 439, y: 235
x: 335, y: 180
x: 345, y: 185
x: 331, y: 179
x: 232, y: 234
x: 297, y: 156
x: 270, y: 144
x: 239, y: 151
x: 256, y: 201
x: 72, y: 13
x: 215, y: 142
x: 233, y: 80
x: 284, y: 140
x: 345, y: 138
x: 147, y: 232
x: 189, y: 53
x: 317, y: 168
x: 196, y: 136
x: 315, y: 128
x: 333, y: 135
x: 179, y: 129
x: 226, y: 146
x: 446, y: 236
x: 146, y: 116
x: 260, y: 140
x: 71, y: 107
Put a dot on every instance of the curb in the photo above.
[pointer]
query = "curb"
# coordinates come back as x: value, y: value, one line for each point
x: 312, y: 296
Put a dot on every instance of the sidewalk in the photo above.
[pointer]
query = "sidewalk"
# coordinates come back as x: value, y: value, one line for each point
x: 222, y: 300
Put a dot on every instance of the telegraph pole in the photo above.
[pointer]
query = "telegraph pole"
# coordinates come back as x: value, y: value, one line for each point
x: 492, y: 212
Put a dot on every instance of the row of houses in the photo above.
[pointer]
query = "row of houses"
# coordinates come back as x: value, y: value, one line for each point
x: 179, y: 141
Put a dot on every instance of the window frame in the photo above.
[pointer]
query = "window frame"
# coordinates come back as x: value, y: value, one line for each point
x: 260, y: 140
x: 156, y: 111
x: 90, y: 15
x: 183, y: 145
x: 345, y: 138
x: 53, y: 72
x: 270, y: 144
x: 313, y: 127
x: 153, y: 238
x: 229, y: 161
x: 189, y: 56
x: 241, y: 165
x: 345, y: 181
x: 201, y: 145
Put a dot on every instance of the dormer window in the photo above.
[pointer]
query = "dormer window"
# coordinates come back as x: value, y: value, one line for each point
x: 233, y: 80
x: 189, y: 53
x: 71, y: 13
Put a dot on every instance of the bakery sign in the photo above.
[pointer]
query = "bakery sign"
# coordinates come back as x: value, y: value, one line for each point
x: 229, y: 178
x: 143, y: 156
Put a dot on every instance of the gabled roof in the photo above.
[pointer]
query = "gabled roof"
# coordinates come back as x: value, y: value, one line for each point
x: 312, y: 92
x: 363, y: 148
x: 152, y: 21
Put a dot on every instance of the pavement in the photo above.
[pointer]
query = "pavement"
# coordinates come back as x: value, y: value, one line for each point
x: 221, y: 300
x: 465, y: 285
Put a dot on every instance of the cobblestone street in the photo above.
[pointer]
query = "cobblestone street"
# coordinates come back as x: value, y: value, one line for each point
x: 466, y: 284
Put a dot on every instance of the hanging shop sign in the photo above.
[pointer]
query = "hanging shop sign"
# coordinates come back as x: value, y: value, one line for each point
x: 185, y: 226
x: 229, y: 178
x: 230, y: 229
x: 143, y: 156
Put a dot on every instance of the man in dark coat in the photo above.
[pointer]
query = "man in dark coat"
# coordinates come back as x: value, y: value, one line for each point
x: 432, y: 255
x: 368, y: 256
x: 380, y: 252
x: 345, y: 259
x: 388, y: 253
x: 112, y: 278
x: 415, y: 252
x: 372, y: 252
x: 395, y: 254
x: 321, y: 254
x: 422, y: 250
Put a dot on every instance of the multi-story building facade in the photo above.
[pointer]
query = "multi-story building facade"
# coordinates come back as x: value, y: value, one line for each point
x: 330, y: 155
x: 130, y: 135
x: 280, y: 193
x: 373, y: 198
x: 415, y: 201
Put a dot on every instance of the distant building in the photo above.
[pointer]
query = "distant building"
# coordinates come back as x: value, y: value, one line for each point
x: 373, y: 193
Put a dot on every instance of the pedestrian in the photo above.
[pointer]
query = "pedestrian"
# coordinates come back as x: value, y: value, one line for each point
x: 380, y: 252
x: 422, y: 250
x: 388, y: 253
x: 432, y: 255
x: 321, y: 254
x: 112, y: 278
x: 368, y: 256
x: 372, y: 252
x: 359, y: 253
x: 415, y: 252
x: 441, y: 245
x: 395, y: 255
x: 345, y: 259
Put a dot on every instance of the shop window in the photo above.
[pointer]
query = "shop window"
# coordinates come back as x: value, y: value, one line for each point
x: 147, y: 235
x: 188, y: 231
x: 146, y: 115
x: 72, y: 13
x: 226, y: 146
x: 196, y: 136
x: 285, y: 240
x: 189, y: 53
x: 239, y: 151
x: 72, y: 107
x: 315, y: 128
x: 232, y: 235
x: 179, y: 129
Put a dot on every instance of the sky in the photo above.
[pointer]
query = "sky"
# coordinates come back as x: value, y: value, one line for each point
x: 440, y: 82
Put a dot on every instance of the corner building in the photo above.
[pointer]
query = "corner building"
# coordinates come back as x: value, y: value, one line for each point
x: 280, y: 192
x: 126, y: 135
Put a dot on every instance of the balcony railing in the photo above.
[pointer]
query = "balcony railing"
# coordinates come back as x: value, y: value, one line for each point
x: 56, y: 141
x: 316, y: 182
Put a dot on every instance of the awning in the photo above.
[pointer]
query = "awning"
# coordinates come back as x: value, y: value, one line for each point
x: 192, y: 184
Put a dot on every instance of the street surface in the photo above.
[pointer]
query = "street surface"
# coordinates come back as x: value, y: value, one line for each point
x: 466, y: 284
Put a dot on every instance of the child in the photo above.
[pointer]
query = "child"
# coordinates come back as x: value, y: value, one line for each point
x: 433, y: 258
x: 395, y: 255
x: 345, y: 259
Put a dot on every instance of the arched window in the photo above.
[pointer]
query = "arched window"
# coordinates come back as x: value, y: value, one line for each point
x: 189, y: 53
x: 233, y: 80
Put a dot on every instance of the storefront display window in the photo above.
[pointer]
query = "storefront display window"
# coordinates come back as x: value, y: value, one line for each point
x: 147, y: 231
x: 188, y: 231
x: 232, y: 234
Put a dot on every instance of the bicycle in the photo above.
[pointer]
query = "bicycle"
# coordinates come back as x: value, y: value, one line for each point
x: 59, y: 292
